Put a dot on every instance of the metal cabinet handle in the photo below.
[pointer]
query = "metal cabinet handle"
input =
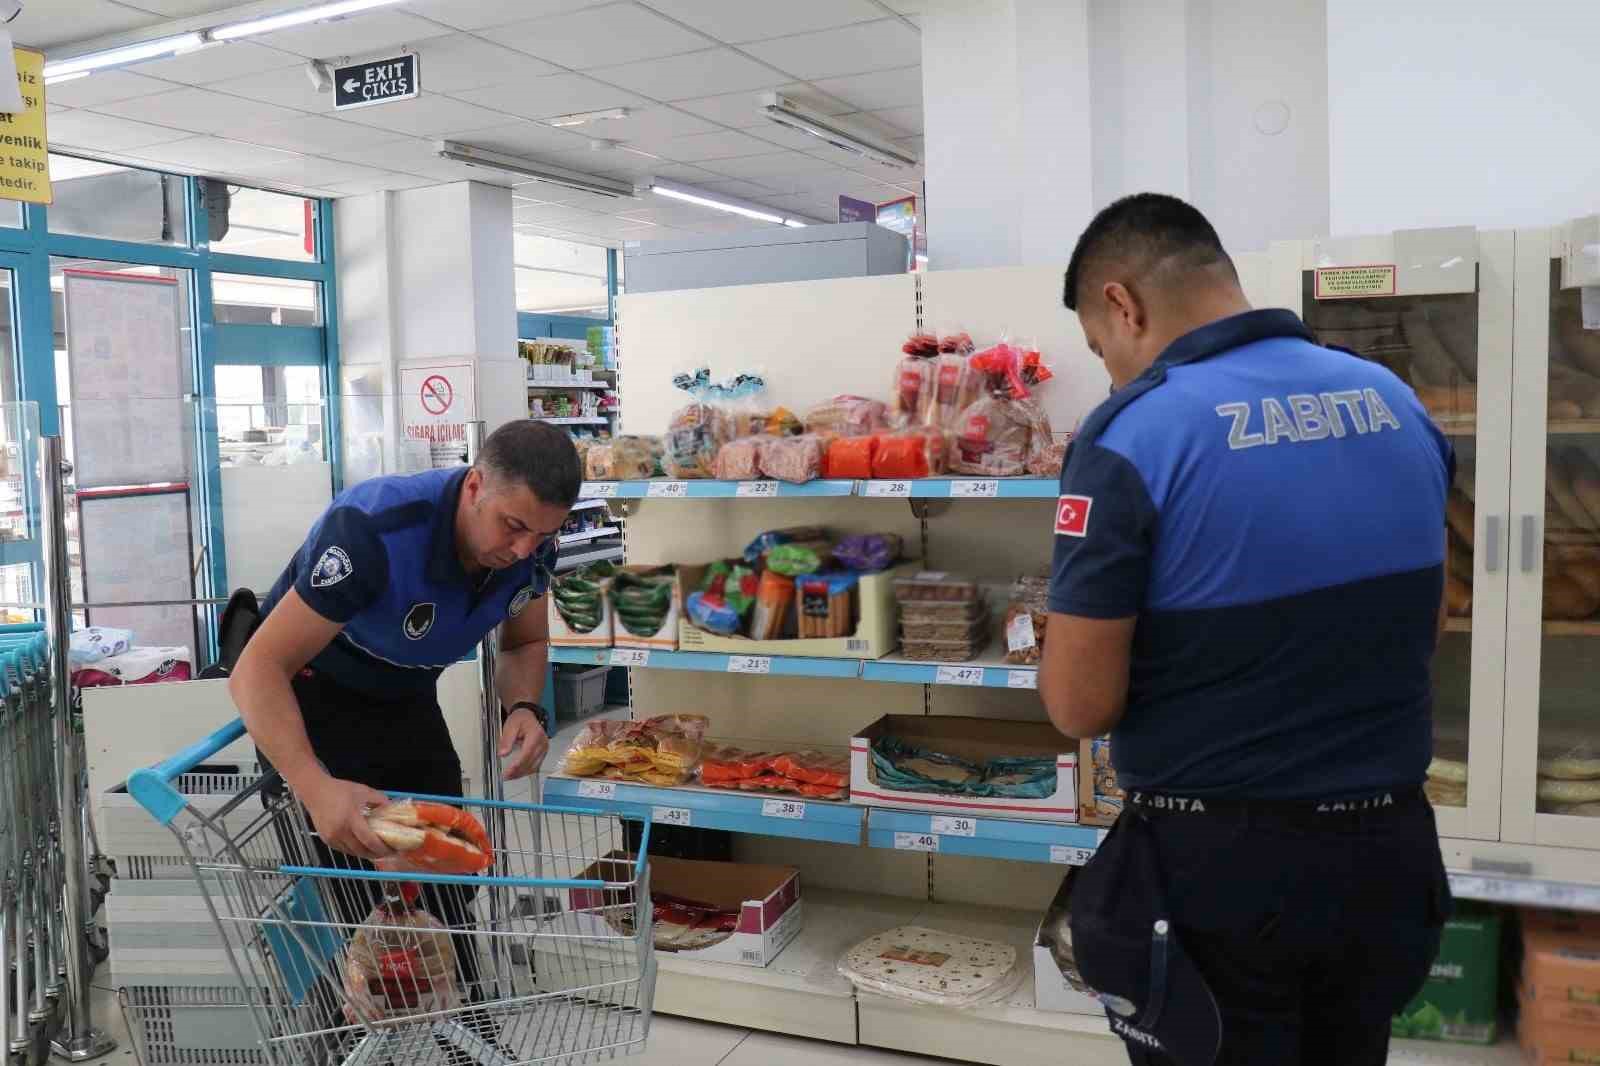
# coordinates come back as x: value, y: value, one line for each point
x: 1530, y: 543
x: 1491, y: 544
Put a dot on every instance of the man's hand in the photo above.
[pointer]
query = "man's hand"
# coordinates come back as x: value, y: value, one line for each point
x: 524, y: 734
x: 338, y: 810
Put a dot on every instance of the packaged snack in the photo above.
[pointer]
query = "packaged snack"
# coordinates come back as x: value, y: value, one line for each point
x: 850, y: 457
x: 827, y: 607
x: 814, y: 768
x: 800, y: 557
x: 867, y: 553
x: 597, y: 463
x: 944, y: 610
x: 913, y: 454
x: 1025, y: 620
x: 942, y: 651
x: 698, y: 430
x: 755, y: 553
x: 963, y: 629
x: 724, y: 599
x: 774, y: 596
x: 724, y: 763
x: 642, y: 601
x: 739, y: 460
x: 847, y: 416
x: 936, y: 585
x: 579, y: 597
x: 635, y: 458
x: 400, y: 962
x: 659, y: 751
x: 793, y: 459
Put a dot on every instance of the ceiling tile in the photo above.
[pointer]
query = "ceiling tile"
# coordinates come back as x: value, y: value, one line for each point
x: 684, y: 215
x: 740, y: 20
x: 481, y: 14
x: 734, y: 187
x: 549, y: 214
x: 522, y: 138
x: 200, y: 110
x: 286, y: 88
x: 618, y: 165
x: 725, y: 144
x: 742, y: 110
x: 380, y: 182
x: 217, y: 154
x: 427, y: 116
x: 312, y: 134
x: 359, y: 34
x: 178, y: 8
x: 859, y: 49
x: 684, y: 173
x: 600, y: 36
x: 104, y: 87
x: 650, y: 125
x: 309, y: 172
x: 412, y: 155
x: 874, y: 92
x: 223, y: 61
x: 902, y: 121
x: 709, y: 73
x: 908, y: 7
x: 55, y: 25
x: 461, y: 61
x: 760, y: 167
x: 557, y: 94
x: 91, y: 132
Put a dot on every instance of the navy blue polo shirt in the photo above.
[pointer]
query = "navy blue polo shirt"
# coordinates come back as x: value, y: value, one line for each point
x: 1272, y: 512
x: 382, y: 560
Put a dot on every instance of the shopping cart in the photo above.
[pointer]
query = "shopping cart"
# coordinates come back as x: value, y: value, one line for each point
x: 547, y: 958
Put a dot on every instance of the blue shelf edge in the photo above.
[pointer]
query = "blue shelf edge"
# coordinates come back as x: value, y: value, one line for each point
x: 991, y: 838
x: 928, y: 673
x: 738, y: 812
x: 1014, y: 488
x: 716, y: 662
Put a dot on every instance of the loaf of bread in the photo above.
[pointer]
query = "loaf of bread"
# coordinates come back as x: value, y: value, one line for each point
x: 1570, y: 384
x: 1458, y: 596
x: 1431, y: 365
x: 1567, y: 600
x: 1459, y: 514
x: 1558, y: 479
x: 1585, y: 481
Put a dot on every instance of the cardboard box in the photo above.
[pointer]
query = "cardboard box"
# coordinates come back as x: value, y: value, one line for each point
x: 767, y: 898
x: 1458, y: 1001
x: 1561, y: 977
x: 1099, y: 798
x: 1051, y: 990
x: 976, y: 739
x: 564, y: 636
x: 665, y: 638
x: 1550, y: 1044
x: 874, y: 637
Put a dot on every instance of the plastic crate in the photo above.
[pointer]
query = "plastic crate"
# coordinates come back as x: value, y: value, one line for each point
x: 580, y: 691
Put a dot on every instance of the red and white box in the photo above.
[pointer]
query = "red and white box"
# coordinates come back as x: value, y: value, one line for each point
x: 977, y: 740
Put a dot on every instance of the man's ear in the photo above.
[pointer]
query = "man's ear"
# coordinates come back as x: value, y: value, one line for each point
x: 1124, y: 304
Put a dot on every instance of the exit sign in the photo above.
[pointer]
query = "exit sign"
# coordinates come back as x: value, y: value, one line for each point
x: 378, y: 81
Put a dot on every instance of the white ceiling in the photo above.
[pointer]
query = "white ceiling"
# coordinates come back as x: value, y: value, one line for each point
x: 688, y: 70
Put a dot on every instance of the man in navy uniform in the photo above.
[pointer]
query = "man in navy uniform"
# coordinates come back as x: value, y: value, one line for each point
x: 1247, y: 592
x: 399, y: 578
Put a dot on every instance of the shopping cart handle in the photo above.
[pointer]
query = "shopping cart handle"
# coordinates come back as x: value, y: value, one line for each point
x: 152, y: 786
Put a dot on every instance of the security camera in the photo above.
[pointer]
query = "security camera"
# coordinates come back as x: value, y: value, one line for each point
x: 10, y: 9
x: 320, y: 74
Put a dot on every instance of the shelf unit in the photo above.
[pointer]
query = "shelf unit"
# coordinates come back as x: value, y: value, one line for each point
x: 590, y: 534
x: 575, y: 383
x: 987, y: 671
x: 573, y: 420
x: 599, y: 555
x: 936, y: 488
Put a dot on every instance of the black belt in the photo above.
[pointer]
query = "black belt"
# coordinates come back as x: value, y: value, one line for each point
x: 1318, y: 813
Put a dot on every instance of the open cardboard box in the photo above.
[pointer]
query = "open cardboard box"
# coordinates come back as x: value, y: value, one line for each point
x: 874, y: 635
x: 1099, y: 799
x: 766, y: 897
x: 665, y: 638
x: 564, y: 636
x: 975, y: 739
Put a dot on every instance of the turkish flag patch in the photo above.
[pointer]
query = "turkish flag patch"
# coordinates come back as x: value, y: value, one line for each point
x: 1072, y: 516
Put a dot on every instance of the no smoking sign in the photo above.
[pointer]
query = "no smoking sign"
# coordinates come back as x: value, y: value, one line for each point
x: 437, y: 395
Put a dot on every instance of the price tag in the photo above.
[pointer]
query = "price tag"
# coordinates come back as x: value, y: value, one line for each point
x: 792, y: 809
x: 916, y: 842
x: 974, y: 490
x: 630, y: 657
x: 887, y: 488
x: 597, y: 790
x: 1022, y: 679
x: 953, y: 827
x: 958, y: 675
x: 756, y: 490
x: 749, y: 664
x: 1019, y: 633
x: 597, y: 490
x: 1070, y: 856
x: 667, y: 490
x: 671, y: 815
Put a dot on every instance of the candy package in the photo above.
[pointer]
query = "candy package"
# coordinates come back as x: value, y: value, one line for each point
x: 915, y: 453
x: 739, y: 460
x: 792, y: 459
x: 847, y: 416
x: 697, y: 430
x: 850, y: 457
x: 723, y: 601
x: 755, y: 553
x: 867, y: 553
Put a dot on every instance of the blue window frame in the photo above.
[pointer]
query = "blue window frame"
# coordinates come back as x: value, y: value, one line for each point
x: 27, y: 252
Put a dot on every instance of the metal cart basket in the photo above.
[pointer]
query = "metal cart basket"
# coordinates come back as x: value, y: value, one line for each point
x: 546, y: 958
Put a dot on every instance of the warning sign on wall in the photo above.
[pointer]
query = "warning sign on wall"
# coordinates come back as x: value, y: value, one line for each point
x: 24, y: 158
x: 437, y: 403
x: 1355, y: 282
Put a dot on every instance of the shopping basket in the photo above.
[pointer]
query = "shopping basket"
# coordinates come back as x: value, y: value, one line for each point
x: 546, y: 958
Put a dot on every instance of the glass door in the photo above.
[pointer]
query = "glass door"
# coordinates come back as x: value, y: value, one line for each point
x: 19, y: 545
x: 1435, y: 307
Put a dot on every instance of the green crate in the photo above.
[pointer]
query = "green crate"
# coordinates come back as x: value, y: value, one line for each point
x: 1458, y: 1001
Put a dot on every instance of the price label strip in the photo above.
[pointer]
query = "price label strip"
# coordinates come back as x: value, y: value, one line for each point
x: 749, y: 664
x: 630, y: 657
x: 1022, y: 679
x: 958, y: 675
x: 667, y: 490
x: 597, y: 790
x: 1059, y: 853
x: 974, y: 490
x: 598, y: 490
x: 672, y: 815
x: 953, y: 827
x: 794, y: 810
x: 894, y: 489
x: 756, y: 490
x: 916, y: 842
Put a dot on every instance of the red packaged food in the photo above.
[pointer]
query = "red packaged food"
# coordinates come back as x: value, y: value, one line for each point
x: 769, y: 782
x: 918, y: 453
x: 913, y: 392
x: 851, y: 457
x: 725, y: 763
x: 814, y: 768
x: 827, y: 792
x: 955, y: 386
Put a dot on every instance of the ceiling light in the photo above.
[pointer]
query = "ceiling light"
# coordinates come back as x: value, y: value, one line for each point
x: 295, y: 18
x: 794, y: 223
x: 59, y: 78
x: 588, y: 116
x: 786, y: 111
x: 532, y: 168
x: 117, y: 57
x: 691, y: 195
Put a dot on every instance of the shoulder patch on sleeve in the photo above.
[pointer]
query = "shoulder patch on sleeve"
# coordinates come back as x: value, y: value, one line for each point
x: 1072, y: 516
x: 332, y: 568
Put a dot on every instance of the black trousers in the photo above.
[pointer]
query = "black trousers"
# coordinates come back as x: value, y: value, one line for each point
x: 1311, y: 929
x: 398, y: 745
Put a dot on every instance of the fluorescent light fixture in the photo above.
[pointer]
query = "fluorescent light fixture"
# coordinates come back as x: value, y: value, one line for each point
x: 787, y: 111
x: 159, y: 48
x: 532, y: 168
x: 59, y: 78
x: 585, y: 117
x: 691, y: 195
x: 295, y: 18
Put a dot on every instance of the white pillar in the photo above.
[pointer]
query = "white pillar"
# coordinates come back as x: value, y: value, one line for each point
x: 425, y: 275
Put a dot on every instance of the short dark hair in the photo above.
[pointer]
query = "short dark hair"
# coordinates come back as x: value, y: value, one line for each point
x: 1146, y: 231
x: 535, y: 454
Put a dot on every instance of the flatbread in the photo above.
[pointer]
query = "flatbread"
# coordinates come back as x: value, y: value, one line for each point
x: 929, y: 966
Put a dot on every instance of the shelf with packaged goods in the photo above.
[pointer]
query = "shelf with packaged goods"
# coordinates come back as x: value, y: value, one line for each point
x: 573, y: 384
x: 940, y: 488
x: 589, y: 534
x: 1524, y: 891
x: 1063, y: 843
x: 571, y: 420
x: 588, y: 505
x: 989, y: 670
x: 765, y: 814
x: 709, y: 662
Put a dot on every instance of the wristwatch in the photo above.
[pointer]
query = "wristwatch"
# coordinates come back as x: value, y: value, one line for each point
x: 534, y: 707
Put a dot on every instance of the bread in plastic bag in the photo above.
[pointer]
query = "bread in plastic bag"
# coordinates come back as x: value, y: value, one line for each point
x: 698, y: 430
x: 850, y: 457
x: 634, y: 458
x: 597, y: 463
x: 1000, y: 432
x: 401, y: 962
x: 739, y: 460
x: 792, y: 459
x: 912, y: 454
x: 930, y: 966
x: 847, y: 416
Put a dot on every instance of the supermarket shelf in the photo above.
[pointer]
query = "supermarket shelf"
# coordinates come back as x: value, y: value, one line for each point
x: 572, y: 562
x: 573, y: 384
x: 1437, y: 1053
x: 589, y: 534
x: 571, y: 420
x: 945, y: 488
x: 988, y: 670
x: 585, y: 505
x: 1525, y: 891
x: 767, y: 814
x: 989, y: 838
x: 1550, y: 629
x: 1017, y: 488
x: 710, y: 662
x: 1467, y: 426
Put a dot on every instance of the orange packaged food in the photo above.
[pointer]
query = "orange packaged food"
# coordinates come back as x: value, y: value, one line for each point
x: 814, y: 768
x: 918, y: 453
x: 850, y: 457
x: 726, y: 763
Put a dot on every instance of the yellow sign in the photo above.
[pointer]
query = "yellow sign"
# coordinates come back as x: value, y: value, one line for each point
x: 1352, y: 282
x: 24, y: 156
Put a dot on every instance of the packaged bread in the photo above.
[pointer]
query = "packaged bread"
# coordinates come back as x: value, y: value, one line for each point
x: 911, y: 392
x: 847, y: 416
x: 1431, y: 365
x: 696, y: 431
x: 634, y: 458
x: 955, y: 386
x: 739, y: 460
x: 850, y: 457
x: 1025, y: 620
x: 1566, y: 599
x: 1048, y: 460
x: 597, y: 463
x: 400, y: 962
x: 912, y: 454
x: 793, y: 459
